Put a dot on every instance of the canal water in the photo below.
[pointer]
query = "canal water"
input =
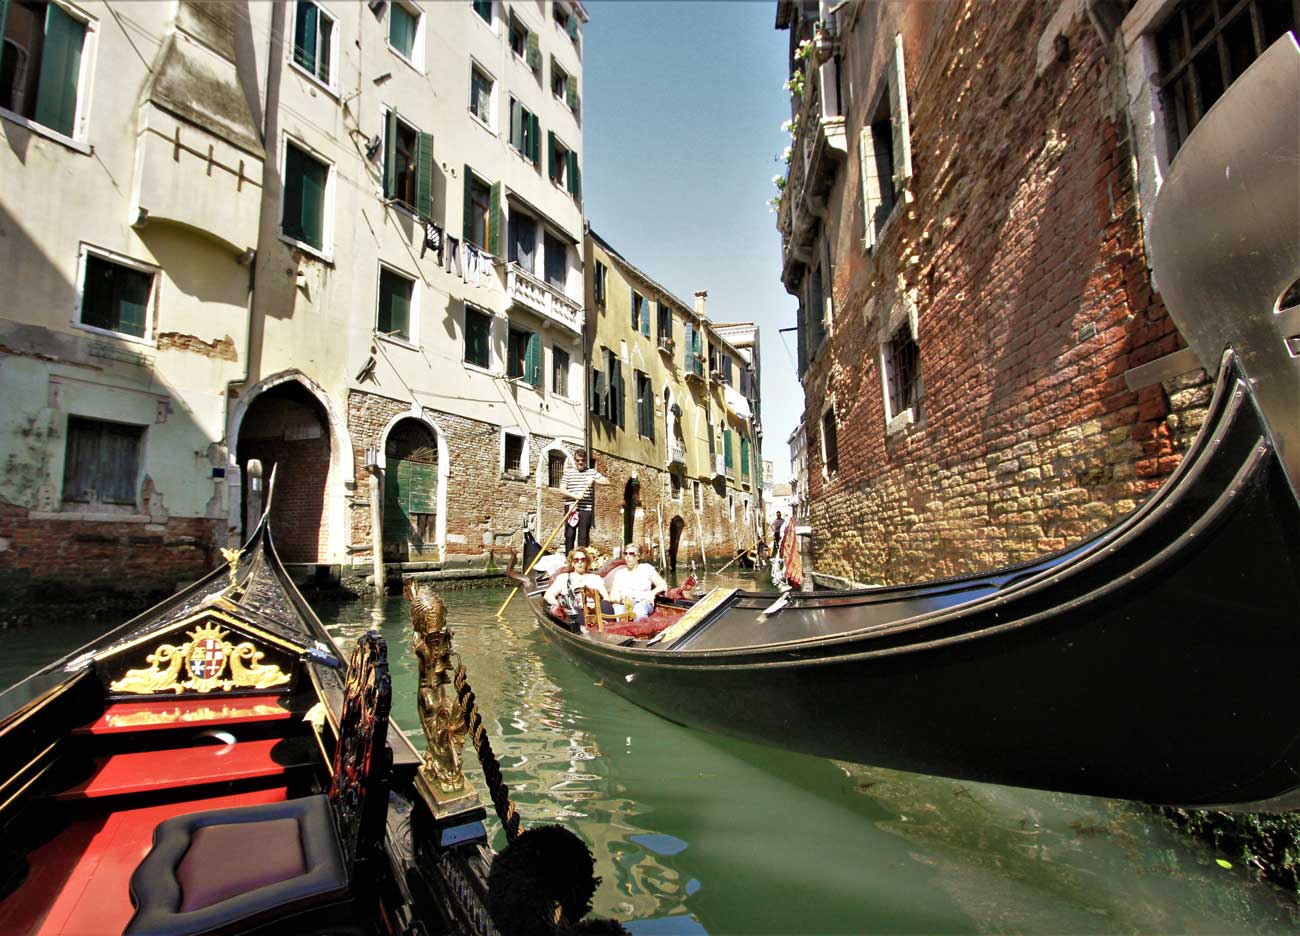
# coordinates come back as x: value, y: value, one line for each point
x: 694, y: 833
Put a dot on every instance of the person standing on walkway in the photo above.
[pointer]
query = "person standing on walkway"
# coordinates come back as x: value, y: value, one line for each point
x: 777, y: 524
x: 578, y: 482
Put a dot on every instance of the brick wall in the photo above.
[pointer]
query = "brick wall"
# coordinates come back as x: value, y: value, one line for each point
x: 45, y: 561
x: 722, y: 536
x: 1022, y: 257
x: 298, y: 516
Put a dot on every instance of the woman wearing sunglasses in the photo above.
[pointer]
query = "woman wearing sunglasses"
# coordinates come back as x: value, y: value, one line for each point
x: 575, y: 580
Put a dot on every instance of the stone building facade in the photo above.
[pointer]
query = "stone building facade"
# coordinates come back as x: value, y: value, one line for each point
x: 672, y: 426
x: 989, y: 371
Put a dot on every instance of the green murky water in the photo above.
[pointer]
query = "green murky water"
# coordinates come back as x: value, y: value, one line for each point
x: 694, y: 833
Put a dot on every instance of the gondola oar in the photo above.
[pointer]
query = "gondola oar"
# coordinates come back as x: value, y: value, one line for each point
x: 541, y: 552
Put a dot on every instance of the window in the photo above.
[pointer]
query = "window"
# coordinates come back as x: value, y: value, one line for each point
x: 513, y: 454
x: 408, y: 165
x: 598, y: 283
x: 1205, y: 46
x: 478, y: 338
x: 612, y: 397
x: 115, y: 296
x: 566, y: 19
x: 692, y: 355
x: 564, y: 86
x: 525, y: 132
x: 675, y: 485
x: 554, y: 468
x: 557, y: 267
x: 640, y: 313
x: 395, y: 294
x: 306, y: 181
x: 830, y: 445
x: 559, y: 371
x: 563, y: 166
x: 726, y: 369
x: 697, y: 494
x: 885, y: 151
x: 665, y: 329
x: 645, y: 405
x: 40, y: 63
x: 901, y: 363
x: 726, y: 453
x: 484, y: 9
x: 479, y: 211
x: 524, y: 356
x: 101, y: 462
x: 480, y: 95
x: 404, y: 32
x: 523, y: 43
x: 744, y: 459
x: 523, y: 240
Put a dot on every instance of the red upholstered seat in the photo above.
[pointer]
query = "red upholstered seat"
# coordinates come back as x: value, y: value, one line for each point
x: 228, y: 870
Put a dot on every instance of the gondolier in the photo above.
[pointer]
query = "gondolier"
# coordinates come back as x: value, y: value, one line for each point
x: 578, y: 482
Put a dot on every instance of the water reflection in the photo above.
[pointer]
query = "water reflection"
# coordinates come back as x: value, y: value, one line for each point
x: 694, y: 833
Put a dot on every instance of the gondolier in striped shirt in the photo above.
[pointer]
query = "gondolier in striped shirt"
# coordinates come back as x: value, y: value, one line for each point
x: 578, y: 481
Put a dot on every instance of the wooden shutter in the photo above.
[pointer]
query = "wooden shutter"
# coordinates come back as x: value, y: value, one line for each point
x: 468, y: 179
x: 532, y: 52
x: 535, y: 139
x: 424, y: 175
x: 550, y: 150
x: 313, y: 201
x: 726, y: 449
x: 688, y: 344
x: 390, y: 152
x: 304, y: 39
x: 645, y: 317
x: 901, y: 121
x: 744, y: 457
x: 494, y: 219
x: 635, y: 306
x: 516, y: 125
x: 575, y: 177
x: 571, y: 27
x: 870, y: 194
x: 571, y: 92
x: 56, y: 96
x: 599, y: 392
x: 533, y: 359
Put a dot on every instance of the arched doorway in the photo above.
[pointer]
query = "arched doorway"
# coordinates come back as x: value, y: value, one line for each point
x: 410, y: 492
x: 631, y: 500
x: 287, y: 429
x: 675, y: 527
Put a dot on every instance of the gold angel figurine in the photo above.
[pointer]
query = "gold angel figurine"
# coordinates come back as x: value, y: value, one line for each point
x: 441, y: 716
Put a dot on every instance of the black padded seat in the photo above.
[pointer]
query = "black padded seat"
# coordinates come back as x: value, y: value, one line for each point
x: 224, y: 870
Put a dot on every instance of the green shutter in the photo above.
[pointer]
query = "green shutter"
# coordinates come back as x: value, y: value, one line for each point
x: 494, y: 220
x: 744, y: 457
x: 468, y: 232
x: 533, y: 360
x: 424, y: 175
x: 535, y: 145
x: 313, y: 202
x: 632, y: 304
x: 390, y: 153
x: 516, y: 125
x: 550, y: 149
x: 688, y: 339
x: 575, y: 180
x: 645, y: 317
x: 726, y: 448
x: 532, y: 53
x: 56, y: 97
x: 571, y: 27
x: 401, y: 30
x: 571, y: 92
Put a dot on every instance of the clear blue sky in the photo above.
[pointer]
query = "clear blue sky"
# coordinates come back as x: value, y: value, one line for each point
x: 682, y: 117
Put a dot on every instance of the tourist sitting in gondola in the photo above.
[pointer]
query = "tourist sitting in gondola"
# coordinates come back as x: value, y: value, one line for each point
x: 565, y: 594
x: 637, y: 583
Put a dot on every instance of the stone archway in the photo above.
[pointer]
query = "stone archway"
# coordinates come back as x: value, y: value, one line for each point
x: 288, y: 430
x: 410, y: 491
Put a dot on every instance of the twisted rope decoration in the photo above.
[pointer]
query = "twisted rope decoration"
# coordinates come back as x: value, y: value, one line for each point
x: 501, y: 801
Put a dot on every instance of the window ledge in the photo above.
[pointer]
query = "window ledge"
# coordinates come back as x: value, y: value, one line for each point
x: 478, y: 368
x: 901, y: 422
x: 410, y: 64
x: 90, y: 516
x: 307, y: 248
x: 314, y: 78
x: 120, y: 336
x: 42, y: 130
x: 479, y: 120
x: 396, y: 340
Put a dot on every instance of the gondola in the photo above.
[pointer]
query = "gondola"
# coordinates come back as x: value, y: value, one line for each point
x: 1156, y: 661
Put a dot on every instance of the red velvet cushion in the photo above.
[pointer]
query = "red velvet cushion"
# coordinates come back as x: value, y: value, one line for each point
x: 237, y: 857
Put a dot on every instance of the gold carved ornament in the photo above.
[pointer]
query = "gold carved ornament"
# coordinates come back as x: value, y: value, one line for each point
x: 207, y: 662
x: 441, y: 715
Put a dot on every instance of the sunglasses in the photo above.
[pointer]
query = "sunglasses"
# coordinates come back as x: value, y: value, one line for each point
x: 577, y: 559
x: 632, y: 553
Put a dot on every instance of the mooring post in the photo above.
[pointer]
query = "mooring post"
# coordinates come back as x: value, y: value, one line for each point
x: 377, y: 531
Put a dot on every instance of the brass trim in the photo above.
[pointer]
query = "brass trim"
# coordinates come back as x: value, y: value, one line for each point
x: 17, y: 793
x: 38, y: 703
x: 225, y: 616
x: 13, y: 778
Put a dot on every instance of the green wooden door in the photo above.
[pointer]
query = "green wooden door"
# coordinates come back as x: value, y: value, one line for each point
x: 410, y: 508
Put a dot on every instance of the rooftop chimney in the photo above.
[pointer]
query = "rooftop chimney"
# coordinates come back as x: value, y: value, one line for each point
x: 701, y: 297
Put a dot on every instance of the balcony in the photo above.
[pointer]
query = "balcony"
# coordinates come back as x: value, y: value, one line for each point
x: 695, y: 367
x: 676, y: 454
x: 526, y: 290
x: 667, y: 345
x: 818, y: 150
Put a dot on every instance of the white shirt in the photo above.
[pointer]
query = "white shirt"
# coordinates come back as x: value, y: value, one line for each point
x: 636, y: 584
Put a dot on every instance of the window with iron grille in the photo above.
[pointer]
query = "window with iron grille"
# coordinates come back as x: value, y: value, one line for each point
x: 903, y: 371
x: 554, y: 468
x: 1206, y: 45
x: 514, y: 453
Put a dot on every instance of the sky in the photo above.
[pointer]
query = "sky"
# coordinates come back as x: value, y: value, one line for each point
x: 682, y: 111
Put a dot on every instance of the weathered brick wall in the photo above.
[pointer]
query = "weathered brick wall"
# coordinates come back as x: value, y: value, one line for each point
x: 298, y: 516
x: 64, y: 561
x: 722, y: 536
x: 1022, y: 254
x: 485, y: 507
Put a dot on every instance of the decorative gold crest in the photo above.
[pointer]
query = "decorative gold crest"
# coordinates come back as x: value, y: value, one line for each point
x: 210, y: 662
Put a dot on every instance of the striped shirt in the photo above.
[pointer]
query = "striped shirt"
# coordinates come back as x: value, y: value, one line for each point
x: 580, y: 485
